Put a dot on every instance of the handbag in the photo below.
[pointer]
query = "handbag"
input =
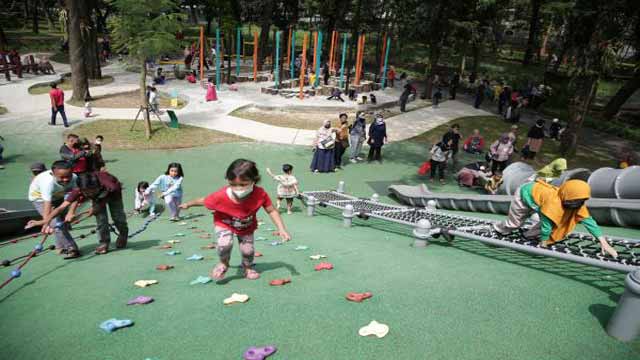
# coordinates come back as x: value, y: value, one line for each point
x: 424, y: 168
x: 328, y: 143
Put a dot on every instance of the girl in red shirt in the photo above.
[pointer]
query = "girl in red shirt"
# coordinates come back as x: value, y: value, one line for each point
x: 235, y: 207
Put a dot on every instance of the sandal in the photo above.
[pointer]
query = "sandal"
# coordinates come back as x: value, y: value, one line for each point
x: 102, y: 249
x: 218, y: 271
x: 251, y: 274
x: 72, y: 254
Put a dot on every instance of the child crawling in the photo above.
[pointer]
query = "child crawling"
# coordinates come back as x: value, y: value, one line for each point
x: 235, y: 207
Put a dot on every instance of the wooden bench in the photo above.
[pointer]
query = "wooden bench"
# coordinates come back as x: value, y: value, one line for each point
x: 6, y: 68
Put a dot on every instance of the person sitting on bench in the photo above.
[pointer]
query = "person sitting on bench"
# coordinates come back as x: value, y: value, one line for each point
x: 159, y: 79
x: 336, y: 94
x: 44, y: 66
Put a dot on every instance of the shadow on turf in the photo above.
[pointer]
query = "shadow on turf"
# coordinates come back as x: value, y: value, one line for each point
x: 602, y: 312
x: 261, y: 268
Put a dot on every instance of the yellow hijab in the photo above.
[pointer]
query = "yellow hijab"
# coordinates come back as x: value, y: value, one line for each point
x: 549, y: 198
x: 554, y: 168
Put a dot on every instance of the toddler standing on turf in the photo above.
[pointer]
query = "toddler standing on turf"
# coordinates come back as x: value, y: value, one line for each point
x: 287, y: 186
x: 235, y: 207
x: 143, y: 200
x: 170, y: 185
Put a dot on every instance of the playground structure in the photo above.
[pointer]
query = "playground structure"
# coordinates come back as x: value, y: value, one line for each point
x: 614, y: 201
x: 428, y: 223
x: 299, y: 80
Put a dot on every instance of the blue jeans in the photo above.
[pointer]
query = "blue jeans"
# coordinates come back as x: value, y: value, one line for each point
x: 60, y: 110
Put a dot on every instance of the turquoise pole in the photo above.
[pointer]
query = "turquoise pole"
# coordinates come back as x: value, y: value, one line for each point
x: 386, y: 58
x: 277, y: 63
x: 292, y: 61
x: 318, y: 57
x: 238, y: 51
x: 218, y: 75
x: 344, y: 55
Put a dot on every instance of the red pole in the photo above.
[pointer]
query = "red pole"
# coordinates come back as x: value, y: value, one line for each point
x: 201, y: 53
x: 255, y: 56
x: 333, y: 43
x: 303, y: 67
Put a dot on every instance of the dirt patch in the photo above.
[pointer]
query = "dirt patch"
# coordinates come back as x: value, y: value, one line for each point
x: 314, y: 118
x: 65, y: 84
x: 130, y: 99
x: 118, y: 135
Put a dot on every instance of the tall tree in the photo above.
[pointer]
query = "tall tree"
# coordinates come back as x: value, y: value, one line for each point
x: 534, y: 28
x: 145, y: 29
x: 34, y: 16
x: 77, y: 10
x: 622, y: 95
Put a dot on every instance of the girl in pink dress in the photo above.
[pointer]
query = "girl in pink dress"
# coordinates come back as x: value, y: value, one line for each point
x: 211, y: 91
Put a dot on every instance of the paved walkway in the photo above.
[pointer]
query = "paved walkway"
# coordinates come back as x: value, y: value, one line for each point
x: 30, y: 113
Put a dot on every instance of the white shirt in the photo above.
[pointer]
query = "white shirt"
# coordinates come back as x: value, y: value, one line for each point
x: 44, y: 187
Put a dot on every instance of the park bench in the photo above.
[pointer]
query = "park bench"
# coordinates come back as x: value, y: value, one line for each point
x: 6, y: 68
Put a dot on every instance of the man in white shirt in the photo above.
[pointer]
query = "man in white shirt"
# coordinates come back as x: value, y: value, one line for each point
x: 47, y: 190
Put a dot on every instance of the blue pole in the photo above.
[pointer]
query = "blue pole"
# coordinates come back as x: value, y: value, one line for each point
x: 386, y: 58
x: 292, y: 61
x: 238, y: 51
x: 318, y: 56
x: 218, y: 77
x: 277, y: 69
x: 344, y: 55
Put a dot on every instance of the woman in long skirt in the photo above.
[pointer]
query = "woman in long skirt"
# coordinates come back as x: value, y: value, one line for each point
x: 323, y: 149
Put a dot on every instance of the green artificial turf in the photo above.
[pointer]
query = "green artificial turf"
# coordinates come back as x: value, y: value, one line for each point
x: 460, y: 301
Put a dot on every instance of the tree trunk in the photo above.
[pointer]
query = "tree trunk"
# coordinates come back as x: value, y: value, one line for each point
x: 265, y: 24
x: 4, y: 44
x: 625, y: 92
x: 51, y: 23
x: 354, y: 40
x: 475, y: 64
x: 92, y: 51
x: 25, y: 13
x: 583, y: 88
x: 79, y: 80
x: 192, y: 14
x: 34, y: 15
x: 533, y: 32
x: 144, y: 103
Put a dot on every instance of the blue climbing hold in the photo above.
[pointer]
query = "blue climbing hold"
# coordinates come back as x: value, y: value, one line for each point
x: 38, y: 248
x: 16, y: 273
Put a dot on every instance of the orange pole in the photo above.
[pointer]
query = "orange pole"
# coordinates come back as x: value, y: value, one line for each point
x: 201, y: 53
x: 303, y: 66
x: 333, y: 42
x: 384, y: 49
x: 361, y: 60
x: 357, y: 80
x: 288, y: 49
x: 255, y: 56
x: 315, y: 48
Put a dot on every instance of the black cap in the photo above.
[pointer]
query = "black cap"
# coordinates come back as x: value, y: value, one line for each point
x: 38, y: 166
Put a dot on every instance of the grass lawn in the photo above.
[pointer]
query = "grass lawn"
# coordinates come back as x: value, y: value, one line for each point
x: 118, y: 135
x: 66, y: 84
x: 589, y: 155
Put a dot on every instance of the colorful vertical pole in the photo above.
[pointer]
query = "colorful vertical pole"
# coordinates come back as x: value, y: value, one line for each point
x: 288, y: 49
x: 359, y: 48
x: 255, y: 56
x: 238, y: 36
x: 315, y: 49
x: 218, y: 74
x: 319, y: 58
x: 386, y: 59
x: 384, y: 49
x: 292, y: 64
x: 303, y: 65
x: 344, y: 55
x: 201, y: 53
x: 277, y: 63
x: 333, y: 44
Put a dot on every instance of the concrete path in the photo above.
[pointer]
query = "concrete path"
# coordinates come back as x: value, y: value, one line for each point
x: 30, y: 113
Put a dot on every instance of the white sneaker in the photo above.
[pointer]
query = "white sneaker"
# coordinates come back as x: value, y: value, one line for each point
x: 353, y: 161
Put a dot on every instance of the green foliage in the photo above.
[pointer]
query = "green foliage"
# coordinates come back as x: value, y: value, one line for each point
x: 145, y: 28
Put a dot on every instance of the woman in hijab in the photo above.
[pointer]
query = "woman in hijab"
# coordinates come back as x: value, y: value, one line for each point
x: 560, y: 209
x: 501, y: 151
x: 323, y: 147
x: 377, y: 138
x: 554, y: 169
x: 534, y: 140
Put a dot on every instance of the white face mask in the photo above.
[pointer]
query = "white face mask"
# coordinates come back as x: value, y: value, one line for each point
x: 241, y: 194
